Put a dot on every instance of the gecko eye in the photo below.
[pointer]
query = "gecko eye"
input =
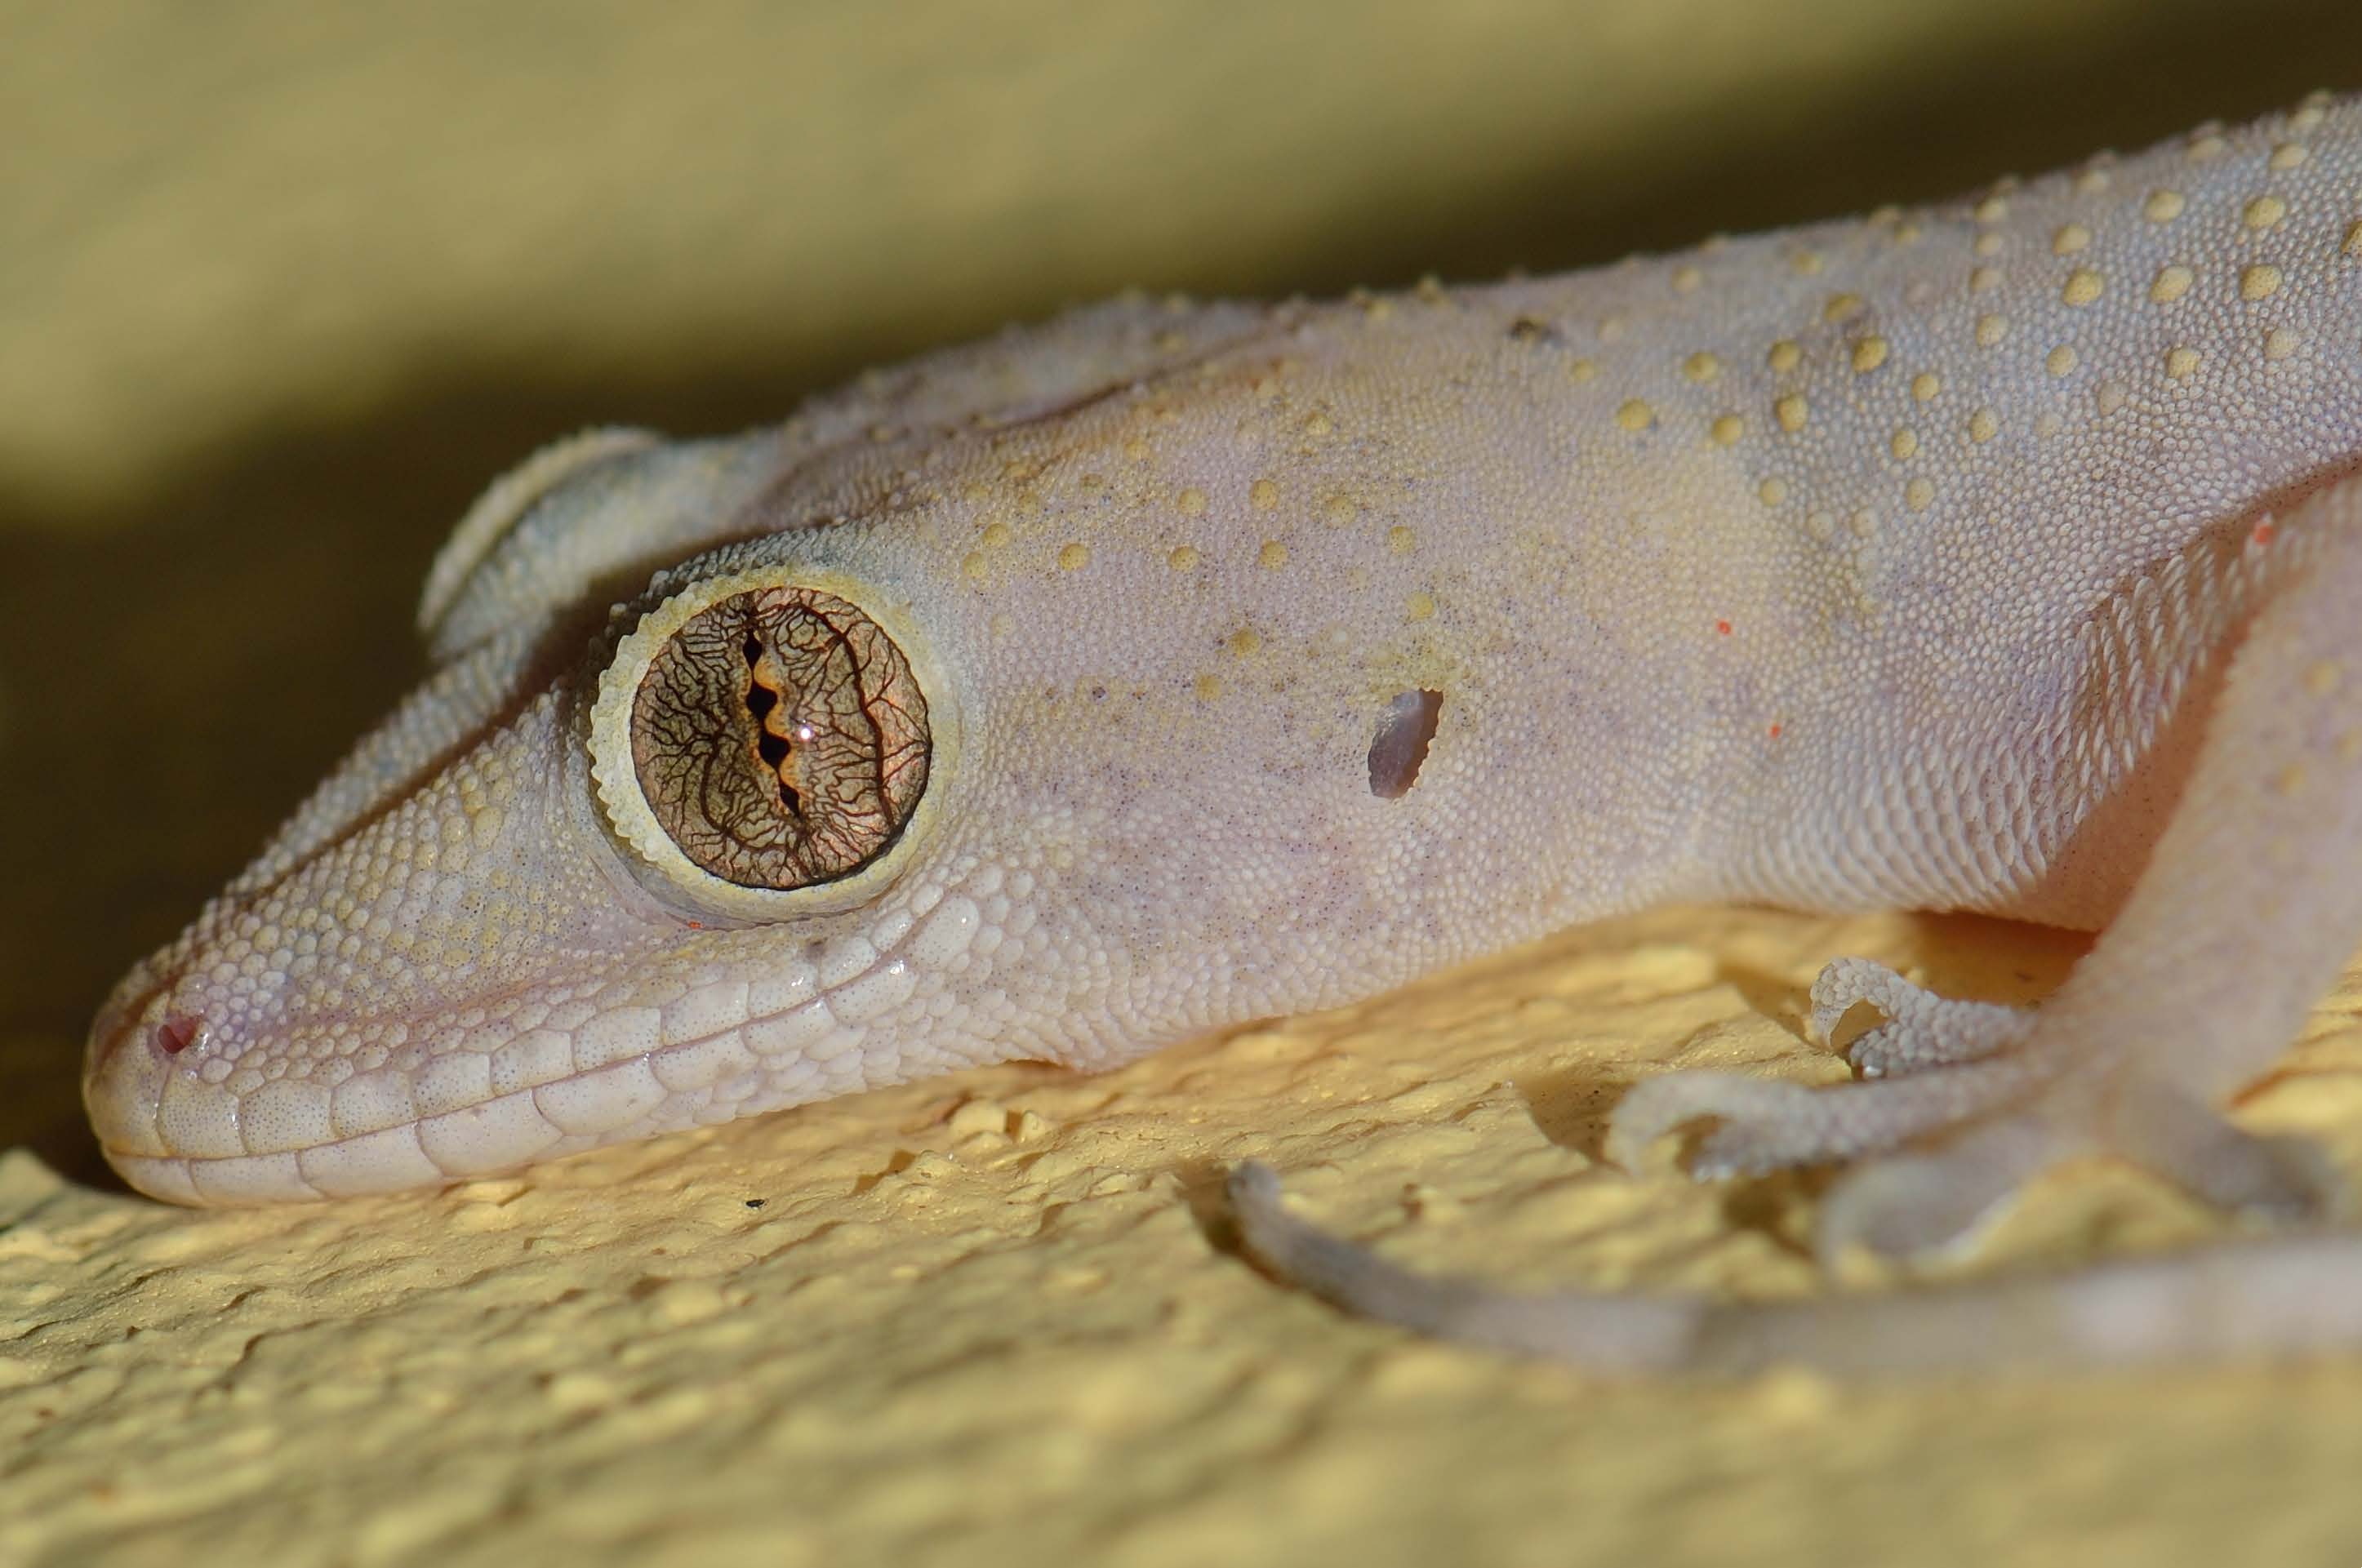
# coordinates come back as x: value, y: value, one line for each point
x: 758, y: 739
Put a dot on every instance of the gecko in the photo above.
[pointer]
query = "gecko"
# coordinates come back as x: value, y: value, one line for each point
x: 1174, y: 664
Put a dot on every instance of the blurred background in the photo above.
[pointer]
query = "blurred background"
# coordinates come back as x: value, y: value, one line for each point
x: 282, y: 284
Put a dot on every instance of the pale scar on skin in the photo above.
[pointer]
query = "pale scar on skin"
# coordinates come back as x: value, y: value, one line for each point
x: 1172, y: 664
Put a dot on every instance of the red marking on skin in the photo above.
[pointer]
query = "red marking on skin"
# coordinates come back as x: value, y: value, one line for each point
x: 178, y: 1032
x: 2263, y: 532
x: 1775, y: 732
x: 1723, y: 627
x: 694, y: 925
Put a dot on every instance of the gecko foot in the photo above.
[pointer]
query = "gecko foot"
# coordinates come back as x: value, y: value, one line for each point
x: 1986, y: 1102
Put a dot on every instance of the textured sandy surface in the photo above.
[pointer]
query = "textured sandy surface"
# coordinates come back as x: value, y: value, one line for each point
x: 280, y: 291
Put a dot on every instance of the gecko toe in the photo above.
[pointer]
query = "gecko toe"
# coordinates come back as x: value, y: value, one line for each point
x: 1915, y: 1205
x: 1773, y: 1125
x: 2192, y: 1145
x: 1918, y: 1029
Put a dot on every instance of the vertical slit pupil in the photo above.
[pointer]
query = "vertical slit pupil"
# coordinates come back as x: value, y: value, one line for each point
x: 760, y: 701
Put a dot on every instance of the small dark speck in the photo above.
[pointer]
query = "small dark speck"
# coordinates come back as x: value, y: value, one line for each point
x: 757, y: 1203
x: 1526, y: 329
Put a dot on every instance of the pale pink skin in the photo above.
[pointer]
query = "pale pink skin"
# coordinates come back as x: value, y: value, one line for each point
x: 1995, y: 556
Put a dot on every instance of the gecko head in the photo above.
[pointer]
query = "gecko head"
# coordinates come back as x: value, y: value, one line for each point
x: 801, y: 813
x: 555, y: 901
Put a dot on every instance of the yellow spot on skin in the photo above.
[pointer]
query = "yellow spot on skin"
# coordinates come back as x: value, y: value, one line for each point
x: 1001, y: 625
x: 1246, y: 641
x: 1192, y: 502
x: 1821, y: 526
x: 976, y: 568
x: 1991, y: 330
x: 1726, y: 430
x: 2070, y: 238
x: 1634, y: 414
x: 1209, y: 688
x: 1582, y: 370
x: 1987, y: 244
x: 1611, y: 329
x: 2205, y: 149
x: 1905, y: 445
x: 995, y: 535
x: 1869, y: 354
x: 1805, y: 263
x: 2287, y: 155
x: 2349, y: 746
x: 1136, y: 449
x: 2289, y: 780
x: 1340, y: 509
x: 1401, y: 540
x: 1074, y: 557
x: 2112, y: 396
x: 2171, y: 283
x: 1983, y: 280
x: 1418, y: 607
x: 2280, y: 343
x: 1841, y: 308
x: 1262, y: 495
x: 1791, y: 411
x: 2181, y: 363
x: 1984, y: 426
x: 1686, y: 279
x: 2163, y: 206
x: 2353, y: 246
x: 1918, y: 494
x: 1318, y: 428
x: 1378, y: 309
x: 2092, y: 182
x: 1773, y: 491
x: 2061, y: 361
x: 2263, y: 212
x: 1429, y: 289
x: 1701, y: 368
x: 2083, y: 286
x: 2324, y: 678
x: 1784, y: 356
x: 1184, y: 558
x: 1992, y: 210
x: 2259, y: 282
x: 1925, y: 385
x: 1863, y: 523
x: 1272, y: 555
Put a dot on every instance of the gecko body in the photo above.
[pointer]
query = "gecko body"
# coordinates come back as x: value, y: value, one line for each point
x: 1174, y: 664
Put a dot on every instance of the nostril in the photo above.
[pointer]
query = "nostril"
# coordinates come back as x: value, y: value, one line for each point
x: 178, y: 1032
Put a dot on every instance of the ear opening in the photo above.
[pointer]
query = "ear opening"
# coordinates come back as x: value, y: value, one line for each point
x: 1398, y: 750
